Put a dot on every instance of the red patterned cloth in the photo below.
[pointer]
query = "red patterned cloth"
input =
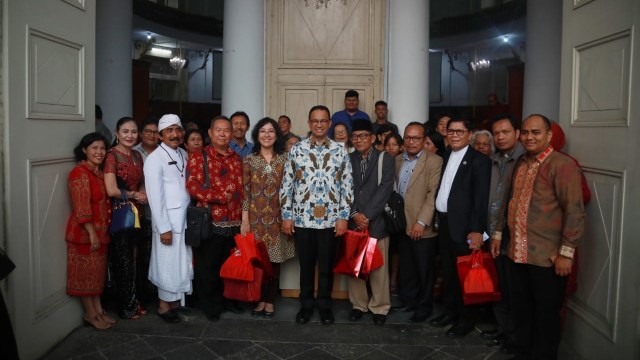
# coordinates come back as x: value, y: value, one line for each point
x: 128, y: 168
x: 86, y: 269
x: 226, y: 189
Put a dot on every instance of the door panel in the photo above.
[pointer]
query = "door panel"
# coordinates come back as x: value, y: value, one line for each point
x: 598, y: 83
x: 48, y: 79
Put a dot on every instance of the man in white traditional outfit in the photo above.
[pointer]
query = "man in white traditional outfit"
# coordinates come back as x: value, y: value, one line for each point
x: 170, y: 268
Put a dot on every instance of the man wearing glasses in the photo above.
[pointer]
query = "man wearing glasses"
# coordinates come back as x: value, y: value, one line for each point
x: 316, y: 197
x: 418, y: 175
x: 462, y: 209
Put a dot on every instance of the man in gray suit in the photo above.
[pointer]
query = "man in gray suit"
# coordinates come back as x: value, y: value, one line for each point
x: 370, y: 196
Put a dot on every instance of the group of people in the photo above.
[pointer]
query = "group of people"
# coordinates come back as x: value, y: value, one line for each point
x: 299, y: 196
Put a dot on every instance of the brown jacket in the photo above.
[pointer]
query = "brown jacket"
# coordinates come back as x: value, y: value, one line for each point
x: 420, y: 197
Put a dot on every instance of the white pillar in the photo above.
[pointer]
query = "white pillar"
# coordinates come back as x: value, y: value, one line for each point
x: 542, y: 67
x: 114, y: 23
x: 243, y: 59
x: 408, y: 68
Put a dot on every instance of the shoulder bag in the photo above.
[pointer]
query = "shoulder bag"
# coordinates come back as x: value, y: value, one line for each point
x: 124, y: 215
x: 394, y: 218
x: 198, y: 218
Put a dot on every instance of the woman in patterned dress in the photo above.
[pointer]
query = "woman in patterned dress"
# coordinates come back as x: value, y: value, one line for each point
x: 86, y: 234
x: 123, y: 171
x: 262, y: 175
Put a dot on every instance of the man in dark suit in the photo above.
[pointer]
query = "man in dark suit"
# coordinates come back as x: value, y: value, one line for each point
x: 371, y: 187
x: 462, y: 209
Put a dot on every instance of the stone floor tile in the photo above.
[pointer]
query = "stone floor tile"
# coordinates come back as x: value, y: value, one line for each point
x: 348, y: 351
x: 163, y: 344
x: 134, y: 350
x: 194, y: 351
x: 226, y: 348
x: 74, y: 344
x: 253, y: 352
x: 106, y: 339
x: 315, y: 354
x: 286, y: 350
x: 408, y: 352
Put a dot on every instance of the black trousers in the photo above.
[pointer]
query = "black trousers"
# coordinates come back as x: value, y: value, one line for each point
x: 502, y: 309
x: 451, y: 289
x: 315, y: 246
x: 537, y: 296
x: 209, y: 258
x: 121, y: 261
x: 417, y: 272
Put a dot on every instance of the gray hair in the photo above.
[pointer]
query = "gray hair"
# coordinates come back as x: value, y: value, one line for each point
x: 483, y: 132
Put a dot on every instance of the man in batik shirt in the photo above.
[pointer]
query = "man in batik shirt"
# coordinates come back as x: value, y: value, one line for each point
x: 546, y: 219
x: 316, y: 196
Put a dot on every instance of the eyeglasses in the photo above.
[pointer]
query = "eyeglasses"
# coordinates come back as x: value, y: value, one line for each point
x: 481, y: 144
x: 360, y: 137
x: 267, y: 132
x: 149, y: 132
x: 458, y: 132
x: 413, y: 138
x: 318, y: 122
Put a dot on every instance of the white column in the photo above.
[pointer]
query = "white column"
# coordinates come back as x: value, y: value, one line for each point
x: 114, y: 23
x: 243, y: 59
x: 408, y: 67
x: 542, y: 67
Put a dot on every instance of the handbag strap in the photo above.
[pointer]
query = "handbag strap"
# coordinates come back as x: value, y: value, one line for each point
x: 380, y: 159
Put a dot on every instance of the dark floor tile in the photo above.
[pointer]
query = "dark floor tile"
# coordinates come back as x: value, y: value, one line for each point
x: 226, y: 348
x: 463, y: 352
x: 162, y: 344
x: 153, y: 325
x: 253, y: 352
x: 408, y: 352
x: 315, y: 354
x: 132, y: 350
x: 92, y: 356
x: 347, y: 351
x: 106, y: 339
x: 378, y: 354
x: 74, y: 344
x: 193, y: 351
x: 286, y: 350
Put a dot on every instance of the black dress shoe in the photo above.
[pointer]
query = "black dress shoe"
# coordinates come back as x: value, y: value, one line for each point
x: 495, y: 343
x: 355, y: 315
x: 379, y: 319
x: 418, y: 317
x: 490, y: 334
x: 459, y: 330
x: 326, y: 317
x: 170, y: 316
x: 234, y: 307
x: 402, y: 308
x: 303, y: 316
x: 442, y: 321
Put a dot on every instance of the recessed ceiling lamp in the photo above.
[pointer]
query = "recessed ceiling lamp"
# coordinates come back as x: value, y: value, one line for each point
x: 505, y: 38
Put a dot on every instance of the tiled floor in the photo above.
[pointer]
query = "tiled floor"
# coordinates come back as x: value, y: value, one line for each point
x: 246, y: 337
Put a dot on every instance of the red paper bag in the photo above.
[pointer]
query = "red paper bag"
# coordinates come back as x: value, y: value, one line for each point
x: 478, y: 291
x: 236, y: 268
x: 247, y: 245
x: 247, y: 291
x: 359, y: 255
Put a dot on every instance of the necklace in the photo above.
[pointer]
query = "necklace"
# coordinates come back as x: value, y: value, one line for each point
x: 175, y: 163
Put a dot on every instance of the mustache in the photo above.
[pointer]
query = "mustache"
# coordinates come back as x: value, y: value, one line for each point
x: 174, y: 138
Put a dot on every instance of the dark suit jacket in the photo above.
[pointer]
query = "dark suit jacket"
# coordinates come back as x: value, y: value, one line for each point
x: 469, y: 195
x: 369, y: 197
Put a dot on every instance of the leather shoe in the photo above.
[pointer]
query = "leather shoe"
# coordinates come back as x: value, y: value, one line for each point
x: 459, y: 330
x: 379, y: 319
x: 234, y: 307
x: 495, y: 343
x: 326, y: 317
x: 303, y: 316
x: 490, y: 334
x: 355, y: 315
x: 442, y: 321
x: 402, y: 308
x: 418, y: 317
x: 170, y: 316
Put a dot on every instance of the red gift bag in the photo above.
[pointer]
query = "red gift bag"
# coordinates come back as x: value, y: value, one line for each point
x: 359, y: 255
x: 238, y: 266
x: 247, y: 291
x: 478, y: 278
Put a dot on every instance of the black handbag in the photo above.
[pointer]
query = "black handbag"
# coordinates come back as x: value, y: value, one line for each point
x: 394, y: 219
x: 124, y: 215
x: 198, y: 218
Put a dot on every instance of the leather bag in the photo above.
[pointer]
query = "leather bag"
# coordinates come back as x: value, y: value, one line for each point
x: 198, y: 218
x: 124, y: 215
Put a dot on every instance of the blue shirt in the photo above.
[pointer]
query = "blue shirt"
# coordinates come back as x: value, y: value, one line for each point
x: 343, y: 117
x: 243, y: 152
x: 405, y: 171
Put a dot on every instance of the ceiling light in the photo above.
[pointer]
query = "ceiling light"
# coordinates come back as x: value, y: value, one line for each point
x: 505, y: 38
x: 160, y: 52
x: 148, y: 36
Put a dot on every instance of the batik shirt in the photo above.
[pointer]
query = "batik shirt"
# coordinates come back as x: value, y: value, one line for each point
x: 317, y: 186
x: 546, y: 212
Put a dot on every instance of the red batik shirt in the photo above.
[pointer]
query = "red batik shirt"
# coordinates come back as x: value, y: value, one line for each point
x: 225, y: 191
